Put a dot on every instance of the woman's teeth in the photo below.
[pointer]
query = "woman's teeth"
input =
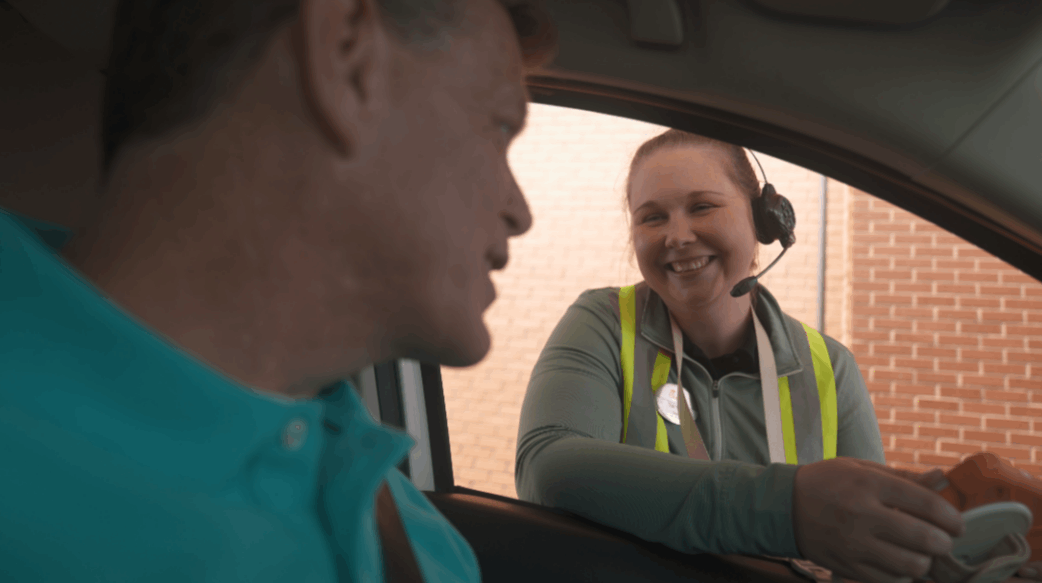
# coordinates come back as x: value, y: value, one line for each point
x: 684, y: 266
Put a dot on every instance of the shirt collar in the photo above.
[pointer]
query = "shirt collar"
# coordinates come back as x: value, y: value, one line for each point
x: 743, y: 359
x: 655, y: 328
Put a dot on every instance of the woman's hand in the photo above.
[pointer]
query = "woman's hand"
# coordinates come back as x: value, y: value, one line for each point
x: 871, y: 523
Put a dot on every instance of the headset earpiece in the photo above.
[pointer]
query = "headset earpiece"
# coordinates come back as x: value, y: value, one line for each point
x: 774, y: 218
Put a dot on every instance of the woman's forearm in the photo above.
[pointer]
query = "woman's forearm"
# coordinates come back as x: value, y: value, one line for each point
x: 692, y: 506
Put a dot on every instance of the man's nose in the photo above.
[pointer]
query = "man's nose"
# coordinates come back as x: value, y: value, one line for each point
x: 516, y: 213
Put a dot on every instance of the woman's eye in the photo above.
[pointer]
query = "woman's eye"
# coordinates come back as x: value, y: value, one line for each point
x: 700, y: 207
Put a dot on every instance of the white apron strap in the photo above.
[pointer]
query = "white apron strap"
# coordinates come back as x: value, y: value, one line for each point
x: 769, y: 388
x: 693, y: 443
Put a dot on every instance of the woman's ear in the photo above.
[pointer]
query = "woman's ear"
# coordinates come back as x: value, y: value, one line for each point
x: 344, y: 57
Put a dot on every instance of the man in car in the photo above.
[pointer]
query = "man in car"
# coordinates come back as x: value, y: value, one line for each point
x: 290, y: 192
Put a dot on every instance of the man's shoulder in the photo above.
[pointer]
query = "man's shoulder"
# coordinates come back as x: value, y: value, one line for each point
x: 108, y: 518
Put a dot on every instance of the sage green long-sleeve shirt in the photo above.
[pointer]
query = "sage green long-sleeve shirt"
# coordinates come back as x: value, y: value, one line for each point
x: 569, y: 455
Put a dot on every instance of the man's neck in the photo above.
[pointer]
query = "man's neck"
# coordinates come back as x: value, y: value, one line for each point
x: 209, y: 283
x: 719, y: 328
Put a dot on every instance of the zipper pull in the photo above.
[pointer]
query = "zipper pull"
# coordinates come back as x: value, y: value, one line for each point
x: 716, y: 389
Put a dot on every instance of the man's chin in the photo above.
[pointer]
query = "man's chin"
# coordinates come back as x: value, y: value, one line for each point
x: 469, y: 353
x: 459, y: 350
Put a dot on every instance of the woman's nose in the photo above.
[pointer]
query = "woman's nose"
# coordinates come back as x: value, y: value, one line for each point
x: 679, y: 233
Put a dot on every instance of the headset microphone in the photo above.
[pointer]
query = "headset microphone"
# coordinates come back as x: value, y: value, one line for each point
x: 774, y: 220
x: 746, y: 285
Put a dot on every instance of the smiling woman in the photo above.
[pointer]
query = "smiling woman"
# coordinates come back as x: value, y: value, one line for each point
x: 692, y: 230
x: 763, y: 389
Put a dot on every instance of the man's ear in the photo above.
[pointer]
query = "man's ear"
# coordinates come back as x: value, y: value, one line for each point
x: 344, y: 62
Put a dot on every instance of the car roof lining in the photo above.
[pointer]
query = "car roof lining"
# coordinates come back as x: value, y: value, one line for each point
x: 924, y: 107
x: 776, y: 68
x: 877, y: 12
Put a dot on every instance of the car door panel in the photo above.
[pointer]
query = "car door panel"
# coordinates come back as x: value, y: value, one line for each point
x: 524, y: 542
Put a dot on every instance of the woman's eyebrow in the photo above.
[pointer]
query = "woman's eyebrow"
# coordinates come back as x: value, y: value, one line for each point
x: 650, y: 203
x: 698, y: 194
x: 687, y: 196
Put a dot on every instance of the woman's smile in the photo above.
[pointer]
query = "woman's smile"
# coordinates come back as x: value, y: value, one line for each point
x: 690, y: 266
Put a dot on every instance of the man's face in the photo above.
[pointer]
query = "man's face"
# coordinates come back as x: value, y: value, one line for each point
x: 442, y: 201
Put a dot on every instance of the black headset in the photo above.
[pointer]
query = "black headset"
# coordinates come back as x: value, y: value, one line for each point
x: 774, y: 220
x: 773, y: 214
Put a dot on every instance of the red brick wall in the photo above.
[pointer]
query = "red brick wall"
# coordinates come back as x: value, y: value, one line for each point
x: 949, y: 339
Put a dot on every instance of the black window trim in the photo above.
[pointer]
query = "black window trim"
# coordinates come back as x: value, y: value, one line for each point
x: 391, y: 401
x: 389, y: 394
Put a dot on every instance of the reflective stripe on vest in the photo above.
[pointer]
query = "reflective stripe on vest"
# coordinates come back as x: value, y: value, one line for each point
x: 810, y: 421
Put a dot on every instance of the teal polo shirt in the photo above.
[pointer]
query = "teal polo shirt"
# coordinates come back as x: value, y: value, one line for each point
x: 125, y: 459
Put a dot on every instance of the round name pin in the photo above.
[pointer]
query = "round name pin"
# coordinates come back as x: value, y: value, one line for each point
x: 986, y: 526
x: 666, y: 401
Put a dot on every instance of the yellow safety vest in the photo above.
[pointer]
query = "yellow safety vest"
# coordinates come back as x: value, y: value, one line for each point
x: 810, y: 422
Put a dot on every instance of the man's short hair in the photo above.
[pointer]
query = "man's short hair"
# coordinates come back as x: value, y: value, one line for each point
x: 170, y: 60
